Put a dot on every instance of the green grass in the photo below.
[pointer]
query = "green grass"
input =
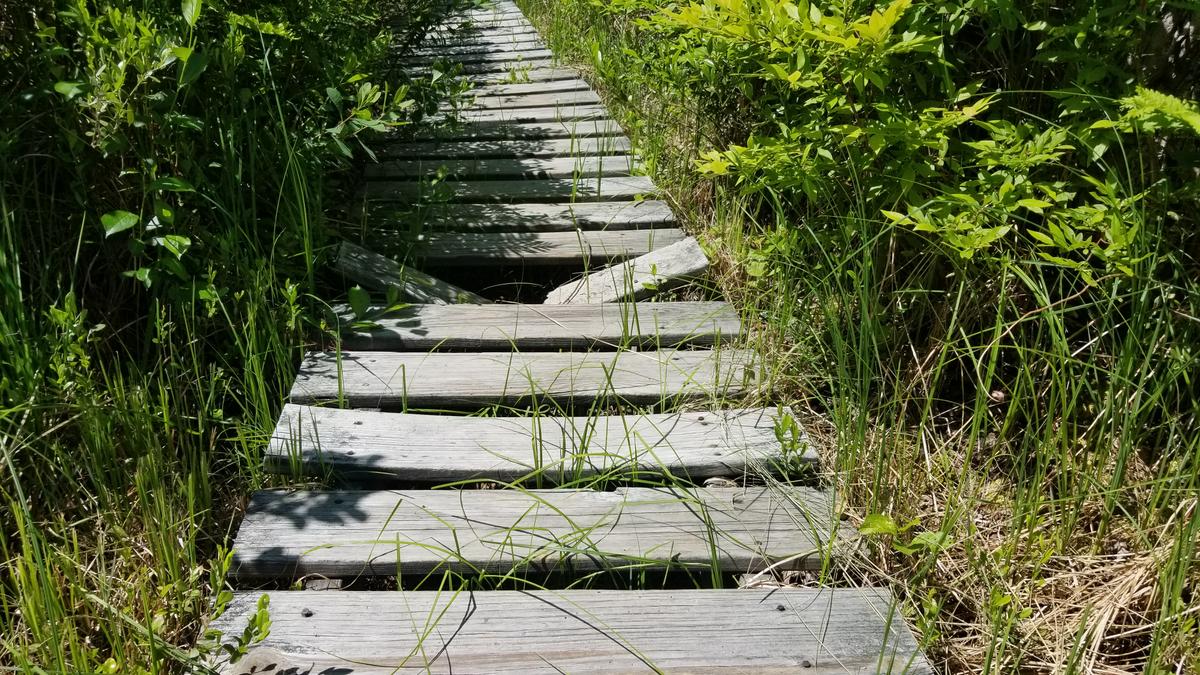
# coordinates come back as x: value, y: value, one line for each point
x: 1020, y: 451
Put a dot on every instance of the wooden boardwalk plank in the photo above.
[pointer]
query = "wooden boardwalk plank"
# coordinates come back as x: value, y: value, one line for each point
x: 542, y: 73
x: 532, y: 131
x: 547, y: 147
x: 514, y: 67
x: 757, y: 631
x: 657, y: 271
x: 499, y: 327
x: 520, y: 88
x: 348, y: 533
x: 505, y: 116
x: 440, y: 449
x: 525, y: 167
x: 380, y: 273
x: 534, y: 100
x: 476, y: 57
x: 392, y: 380
x: 451, y: 49
x: 612, y: 189
x: 541, y: 249
x: 528, y: 217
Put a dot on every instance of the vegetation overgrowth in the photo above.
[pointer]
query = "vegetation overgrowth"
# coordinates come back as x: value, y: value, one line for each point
x: 966, y: 231
x: 168, y: 180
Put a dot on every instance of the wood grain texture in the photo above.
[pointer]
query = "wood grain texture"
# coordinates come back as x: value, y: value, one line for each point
x: 351, y: 533
x: 477, y: 57
x: 603, y: 145
x: 534, y: 100
x: 503, y: 167
x: 378, y: 272
x: 617, y: 188
x: 541, y: 249
x: 641, y: 277
x: 528, y: 217
x: 500, y: 327
x: 525, y: 115
x: 508, y: 66
x: 522, y: 88
x: 763, y: 632
x: 573, y: 129
x: 389, y: 380
x: 439, y: 449
x: 453, y: 48
x: 543, y: 73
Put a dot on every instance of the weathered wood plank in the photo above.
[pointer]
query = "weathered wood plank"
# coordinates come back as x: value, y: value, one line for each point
x: 374, y: 271
x: 450, y: 49
x: 379, y: 532
x: 476, y: 57
x: 517, y: 89
x: 444, y: 39
x: 532, y: 130
x: 541, y: 249
x: 393, y: 380
x: 534, y: 100
x: 616, y: 188
x: 548, y: 147
x: 499, y: 327
x: 817, y: 631
x: 525, y: 167
x: 441, y: 449
x: 514, y: 67
x: 641, y: 277
x: 532, y: 74
x: 565, y: 113
x: 528, y: 217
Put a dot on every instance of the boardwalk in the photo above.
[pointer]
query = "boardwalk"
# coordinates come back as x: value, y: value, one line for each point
x: 594, y: 425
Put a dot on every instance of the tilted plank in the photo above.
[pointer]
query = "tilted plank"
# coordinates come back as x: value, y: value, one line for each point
x: 444, y: 39
x: 525, y: 167
x: 534, y: 100
x: 563, y: 113
x: 394, y: 380
x: 529, y: 217
x: 440, y: 449
x: 548, y: 147
x: 517, y: 89
x: 617, y: 188
x: 451, y: 49
x: 657, y: 271
x: 515, y: 67
x: 577, y: 249
x: 541, y: 73
x: 381, y: 273
x: 483, y: 22
x: 347, y: 533
x: 819, y: 631
x: 532, y: 130
x: 477, y: 57
x: 498, y: 327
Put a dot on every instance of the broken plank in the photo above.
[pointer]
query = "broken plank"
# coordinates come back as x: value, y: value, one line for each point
x: 349, y: 533
x: 392, y: 380
x: 548, y: 147
x: 499, y: 327
x: 657, y: 271
x: 381, y: 273
x: 577, y: 249
x: 528, y: 217
x: 556, y: 450
x: 616, y: 188
x: 820, y: 631
x: 527, y: 167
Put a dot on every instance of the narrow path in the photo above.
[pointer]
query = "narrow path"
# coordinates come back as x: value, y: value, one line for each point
x: 598, y: 469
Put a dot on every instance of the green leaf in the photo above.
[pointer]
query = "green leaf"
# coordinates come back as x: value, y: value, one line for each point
x: 142, y: 274
x: 117, y: 221
x: 192, y: 68
x: 191, y: 11
x: 360, y: 302
x: 177, y: 244
x: 931, y: 541
x: 879, y: 523
x: 171, y: 184
x: 69, y: 89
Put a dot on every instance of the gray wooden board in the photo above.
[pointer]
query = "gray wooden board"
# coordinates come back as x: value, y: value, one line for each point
x: 531, y: 130
x: 816, y: 631
x: 528, y: 217
x: 508, y: 68
x: 548, y: 147
x: 476, y: 57
x: 575, y: 249
x: 525, y: 167
x: 444, y: 39
x: 520, y: 88
x: 657, y: 271
x: 533, y: 74
x: 453, y: 49
x: 348, y: 533
x: 391, y: 380
x: 482, y: 22
x: 381, y: 273
x: 534, y: 99
x: 499, y: 327
x: 439, y: 449
x: 617, y: 188
x: 564, y: 113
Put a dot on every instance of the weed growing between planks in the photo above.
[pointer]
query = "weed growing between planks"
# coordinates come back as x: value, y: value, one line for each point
x: 164, y: 202
x: 962, y: 231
